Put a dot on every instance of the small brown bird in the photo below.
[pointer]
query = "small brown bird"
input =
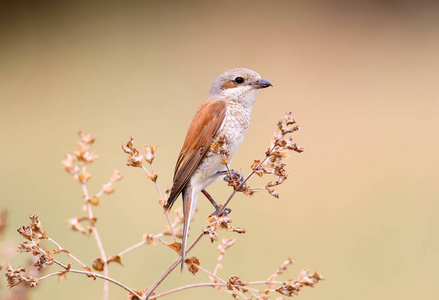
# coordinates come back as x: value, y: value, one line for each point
x: 225, y: 113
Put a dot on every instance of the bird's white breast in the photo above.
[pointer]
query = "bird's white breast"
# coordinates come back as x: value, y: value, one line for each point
x: 234, y: 128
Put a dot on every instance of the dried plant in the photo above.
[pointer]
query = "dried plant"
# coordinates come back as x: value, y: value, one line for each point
x: 7, y: 252
x: 76, y: 163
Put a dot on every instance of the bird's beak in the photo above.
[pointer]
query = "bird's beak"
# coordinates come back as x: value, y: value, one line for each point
x: 261, y: 84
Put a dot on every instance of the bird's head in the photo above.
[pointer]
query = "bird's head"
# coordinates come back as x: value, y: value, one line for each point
x: 240, y: 85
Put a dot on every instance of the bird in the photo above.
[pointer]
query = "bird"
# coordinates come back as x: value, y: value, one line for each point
x: 226, y: 113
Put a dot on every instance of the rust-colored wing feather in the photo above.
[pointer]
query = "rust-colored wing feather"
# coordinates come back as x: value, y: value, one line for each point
x: 206, y: 123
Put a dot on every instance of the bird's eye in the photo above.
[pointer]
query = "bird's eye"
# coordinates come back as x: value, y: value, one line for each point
x: 239, y: 80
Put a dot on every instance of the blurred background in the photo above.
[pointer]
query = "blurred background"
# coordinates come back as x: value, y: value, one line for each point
x: 361, y: 78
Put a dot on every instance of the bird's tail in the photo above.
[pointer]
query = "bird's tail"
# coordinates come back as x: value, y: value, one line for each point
x: 189, y: 204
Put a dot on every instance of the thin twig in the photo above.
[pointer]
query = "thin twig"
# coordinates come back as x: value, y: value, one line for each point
x: 67, y: 252
x: 221, y: 280
x: 156, y: 183
x: 218, y: 266
x: 171, y: 227
x: 259, y: 188
x: 161, y: 198
x: 108, y: 279
x: 252, y: 173
x: 144, y: 242
x: 185, y: 288
x: 131, y: 248
x: 212, y: 284
x: 168, y: 271
x: 96, y: 234
x: 262, y: 282
x: 175, y: 263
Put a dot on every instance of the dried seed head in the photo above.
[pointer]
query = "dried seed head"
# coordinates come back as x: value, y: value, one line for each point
x: 150, y: 153
x: 86, y: 139
x: 25, y: 247
x: 279, y: 151
x: 134, y: 156
x: 14, y: 277
x: 224, y: 245
x: 83, y: 178
x: 62, y: 275
x: 248, y: 191
x: 34, y: 230
x: 69, y: 163
x: 117, y: 175
x: 114, y: 258
x: 176, y: 246
x: 75, y: 225
x: 309, y: 279
x: 235, y: 283
x: 98, y: 264
x: 282, y: 268
x: 93, y: 200
x: 140, y: 293
x: 290, y: 288
x: 149, y: 239
x: 43, y: 261
x: 82, y: 151
x: 152, y: 176
x: 108, y: 188
x: 220, y: 222
x: 272, y: 192
x: 192, y: 263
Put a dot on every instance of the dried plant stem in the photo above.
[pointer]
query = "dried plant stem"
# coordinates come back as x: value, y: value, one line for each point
x: 67, y: 252
x: 218, y: 266
x: 101, y: 250
x: 155, y: 182
x: 131, y: 248
x: 177, y: 261
x: 262, y: 282
x: 95, y: 275
x: 138, y: 245
x: 61, y: 264
x: 162, y: 277
x: 171, y: 228
x: 259, y: 188
x: 44, y: 252
x: 223, y: 208
x: 220, y: 280
x: 100, y: 193
x: 168, y: 271
x: 185, y: 288
x: 96, y: 233
x: 89, y: 273
x: 227, y: 168
x: 210, y: 284
x: 252, y: 173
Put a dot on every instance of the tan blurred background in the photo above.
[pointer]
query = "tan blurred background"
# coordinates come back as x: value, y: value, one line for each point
x: 361, y: 78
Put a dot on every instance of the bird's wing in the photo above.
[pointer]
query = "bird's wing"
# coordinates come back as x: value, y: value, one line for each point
x: 206, y: 123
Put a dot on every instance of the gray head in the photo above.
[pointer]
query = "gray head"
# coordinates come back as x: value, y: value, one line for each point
x: 241, y: 85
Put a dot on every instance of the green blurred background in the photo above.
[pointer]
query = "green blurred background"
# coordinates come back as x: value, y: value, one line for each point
x: 361, y: 78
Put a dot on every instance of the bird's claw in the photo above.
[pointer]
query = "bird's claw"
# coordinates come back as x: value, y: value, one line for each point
x: 224, y: 213
x: 235, y: 179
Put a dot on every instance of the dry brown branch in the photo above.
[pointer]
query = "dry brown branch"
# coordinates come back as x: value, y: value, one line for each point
x: 76, y: 163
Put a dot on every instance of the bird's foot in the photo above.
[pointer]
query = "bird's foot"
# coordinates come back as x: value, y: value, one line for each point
x: 216, y: 205
x: 224, y: 213
x: 235, y: 179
